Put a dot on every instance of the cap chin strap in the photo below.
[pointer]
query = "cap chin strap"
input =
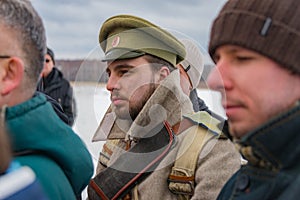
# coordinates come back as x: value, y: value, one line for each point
x: 188, y: 68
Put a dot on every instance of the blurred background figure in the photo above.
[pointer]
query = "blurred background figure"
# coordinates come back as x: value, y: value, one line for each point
x: 190, y: 74
x: 57, y: 87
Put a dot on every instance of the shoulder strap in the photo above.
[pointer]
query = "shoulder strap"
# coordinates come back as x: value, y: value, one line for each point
x: 121, y: 176
x: 182, y: 177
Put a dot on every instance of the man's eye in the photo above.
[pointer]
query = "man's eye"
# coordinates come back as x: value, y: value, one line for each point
x: 216, y: 58
x: 243, y: 58
x: 123, y: 72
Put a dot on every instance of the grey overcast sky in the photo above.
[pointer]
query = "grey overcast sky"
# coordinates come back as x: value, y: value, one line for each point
x: 72, y: 26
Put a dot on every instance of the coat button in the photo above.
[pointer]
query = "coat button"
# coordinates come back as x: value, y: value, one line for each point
x: 243, y: 182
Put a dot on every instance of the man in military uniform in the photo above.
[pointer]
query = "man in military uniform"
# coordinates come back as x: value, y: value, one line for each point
x: 151, y: 122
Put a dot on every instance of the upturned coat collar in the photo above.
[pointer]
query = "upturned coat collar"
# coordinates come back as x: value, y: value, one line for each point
x: 168, y: 102
x: 275, y: 145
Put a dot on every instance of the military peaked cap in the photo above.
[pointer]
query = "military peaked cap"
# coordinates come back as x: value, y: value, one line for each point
x: 126, y: 36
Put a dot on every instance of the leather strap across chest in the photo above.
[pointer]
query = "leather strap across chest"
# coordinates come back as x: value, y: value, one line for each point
x: 133, y: 166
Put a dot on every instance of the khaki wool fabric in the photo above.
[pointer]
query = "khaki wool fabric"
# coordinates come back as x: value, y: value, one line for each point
x: 126, y: 36
x: 217, y: 162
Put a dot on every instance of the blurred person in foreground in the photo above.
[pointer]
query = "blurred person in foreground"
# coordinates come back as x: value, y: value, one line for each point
x: 150, y: 122
x: 57, y: 87
x: 16, y: 182
x: 255, y: 45
x: 39, y: 139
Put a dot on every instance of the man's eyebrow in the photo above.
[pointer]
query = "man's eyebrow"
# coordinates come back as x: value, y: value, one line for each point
x: 120, y: 67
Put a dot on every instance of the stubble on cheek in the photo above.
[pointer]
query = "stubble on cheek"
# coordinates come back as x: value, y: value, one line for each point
x: 139, y: 98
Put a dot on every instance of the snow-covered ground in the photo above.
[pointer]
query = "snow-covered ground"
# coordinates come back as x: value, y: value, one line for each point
x: 92, y: 102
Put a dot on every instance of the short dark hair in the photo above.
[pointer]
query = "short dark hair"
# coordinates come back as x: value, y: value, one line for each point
x: 157, y: 63
x: 21, y: 17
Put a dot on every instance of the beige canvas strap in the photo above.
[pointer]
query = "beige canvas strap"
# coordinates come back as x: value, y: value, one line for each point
x: 182, y: 176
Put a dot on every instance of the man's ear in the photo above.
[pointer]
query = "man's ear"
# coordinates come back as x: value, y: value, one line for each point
x: 163, y: 73
x: 12, y: 75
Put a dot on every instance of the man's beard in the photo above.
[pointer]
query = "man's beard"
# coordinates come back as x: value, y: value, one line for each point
x: 134, y: 110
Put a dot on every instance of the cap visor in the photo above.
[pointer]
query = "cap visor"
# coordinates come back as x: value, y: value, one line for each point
x: 119, y: 54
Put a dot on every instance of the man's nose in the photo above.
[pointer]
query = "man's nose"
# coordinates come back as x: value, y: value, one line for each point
x: 215, y: 80
x: 112, y: 82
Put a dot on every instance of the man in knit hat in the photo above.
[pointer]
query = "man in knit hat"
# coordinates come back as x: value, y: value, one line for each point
x: 144, y: 126
x: 255, y: 45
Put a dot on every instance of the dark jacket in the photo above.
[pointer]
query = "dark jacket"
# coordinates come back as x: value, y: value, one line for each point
x: 56, y: 107
x: 40, y: 140
x: 273, y: 169
x: 199, y: 105
x: 57, y: 87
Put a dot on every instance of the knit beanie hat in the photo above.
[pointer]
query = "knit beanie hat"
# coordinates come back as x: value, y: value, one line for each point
x: 193, y: 62
x: 268, y: 27
x: 51, y: 54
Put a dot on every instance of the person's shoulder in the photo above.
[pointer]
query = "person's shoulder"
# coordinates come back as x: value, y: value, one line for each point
x: 66, y: 82
x: 56, y: 107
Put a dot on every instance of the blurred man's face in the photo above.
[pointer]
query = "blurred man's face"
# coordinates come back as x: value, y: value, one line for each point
x: 185, y: 82
x: 253, y: 87
x: 131, y: 82
x: 48, y: 66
